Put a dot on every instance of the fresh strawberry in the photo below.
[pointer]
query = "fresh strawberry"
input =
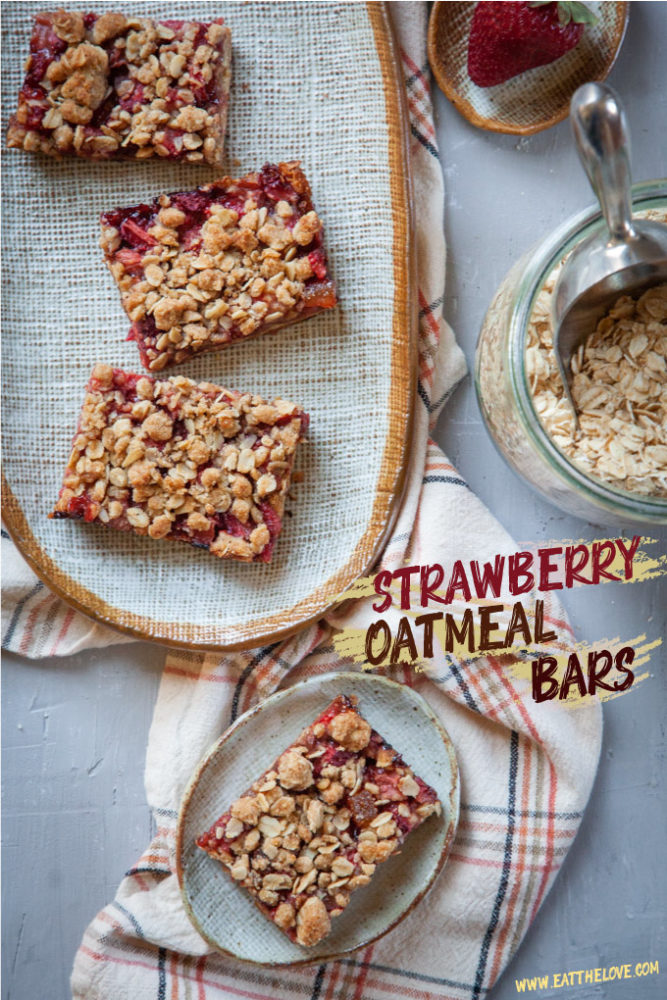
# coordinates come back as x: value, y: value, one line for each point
x: 508, y: 38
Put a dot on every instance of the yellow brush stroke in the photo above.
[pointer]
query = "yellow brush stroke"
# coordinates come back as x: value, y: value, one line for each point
x: 522, y: 671
x: 351, y: 644
x: 611, y: 695
x: 363, y: 587
x: 645, y: 567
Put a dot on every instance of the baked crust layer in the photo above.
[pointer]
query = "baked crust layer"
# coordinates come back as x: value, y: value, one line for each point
x: 313, y: 828
x: 200, y: 270
x: 171, y: 458
x: 112, y: 86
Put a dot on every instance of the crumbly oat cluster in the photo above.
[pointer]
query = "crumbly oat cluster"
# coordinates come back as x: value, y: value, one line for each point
x: 315, y: 826
x: 108, y: 85
x: 175, y: 459
x: 199, y: 270
x: 619, y: 389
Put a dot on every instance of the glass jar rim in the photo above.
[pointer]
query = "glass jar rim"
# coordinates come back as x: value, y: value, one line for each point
x: 545, y: 257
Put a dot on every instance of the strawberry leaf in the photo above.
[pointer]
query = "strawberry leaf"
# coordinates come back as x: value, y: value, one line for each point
x: 577, y: 12
x: 564, y: 14
x: 569, y: 10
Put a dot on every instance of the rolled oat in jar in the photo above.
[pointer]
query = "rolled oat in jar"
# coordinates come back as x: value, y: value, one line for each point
x: 619, y: 389
x: 610, y: 465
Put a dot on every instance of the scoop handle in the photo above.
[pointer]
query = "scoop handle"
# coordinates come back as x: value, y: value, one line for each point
x: 601, y: 133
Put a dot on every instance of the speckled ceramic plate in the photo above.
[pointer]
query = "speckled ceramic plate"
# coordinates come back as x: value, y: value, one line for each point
x: 531, y: 101
x: 222, y: 912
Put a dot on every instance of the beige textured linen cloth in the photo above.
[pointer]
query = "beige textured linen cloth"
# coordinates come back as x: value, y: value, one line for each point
x: 526, y: 769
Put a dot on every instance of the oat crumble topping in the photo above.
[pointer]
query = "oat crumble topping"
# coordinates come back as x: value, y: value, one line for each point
x: 199, y: 270
x: 175, y: 459
x: 314, y: 827
x: 109, y: 85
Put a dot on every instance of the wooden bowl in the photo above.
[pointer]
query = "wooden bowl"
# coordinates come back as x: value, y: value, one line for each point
x: 534, y: 100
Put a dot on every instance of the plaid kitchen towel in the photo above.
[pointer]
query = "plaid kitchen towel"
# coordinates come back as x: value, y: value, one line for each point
x: 526, y: 769
x: 35, y: 622
x: 526, y: 773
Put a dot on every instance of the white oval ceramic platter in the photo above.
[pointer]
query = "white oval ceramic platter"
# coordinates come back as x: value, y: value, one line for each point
x: 351, y: 368
x: 222, y: 911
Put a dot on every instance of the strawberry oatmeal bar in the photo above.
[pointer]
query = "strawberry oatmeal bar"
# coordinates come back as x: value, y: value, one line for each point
x: 108, y: 86
x: 314, y: 827
x: 175, y: 459
x: 199, y: 270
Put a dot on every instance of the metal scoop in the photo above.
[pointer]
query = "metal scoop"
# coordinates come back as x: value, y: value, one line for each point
x: 627, y: 258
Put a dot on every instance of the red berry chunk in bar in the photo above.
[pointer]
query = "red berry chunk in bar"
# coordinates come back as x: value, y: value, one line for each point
x: 175, y: 459
x: 199, y: 270
x: 314, y: 827
x: 110, y: 85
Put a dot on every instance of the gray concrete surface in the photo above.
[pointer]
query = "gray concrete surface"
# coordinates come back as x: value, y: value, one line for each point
x: 609, y: 903
x: 74, y: 732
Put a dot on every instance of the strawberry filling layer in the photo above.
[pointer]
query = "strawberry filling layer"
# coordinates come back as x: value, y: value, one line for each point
x: 362, y: 804
x: 133, y: 225
x: 125, y: 396
x: 46, y: 47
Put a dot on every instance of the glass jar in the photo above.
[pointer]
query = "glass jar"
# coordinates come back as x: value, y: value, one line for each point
x: 503, y: 389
